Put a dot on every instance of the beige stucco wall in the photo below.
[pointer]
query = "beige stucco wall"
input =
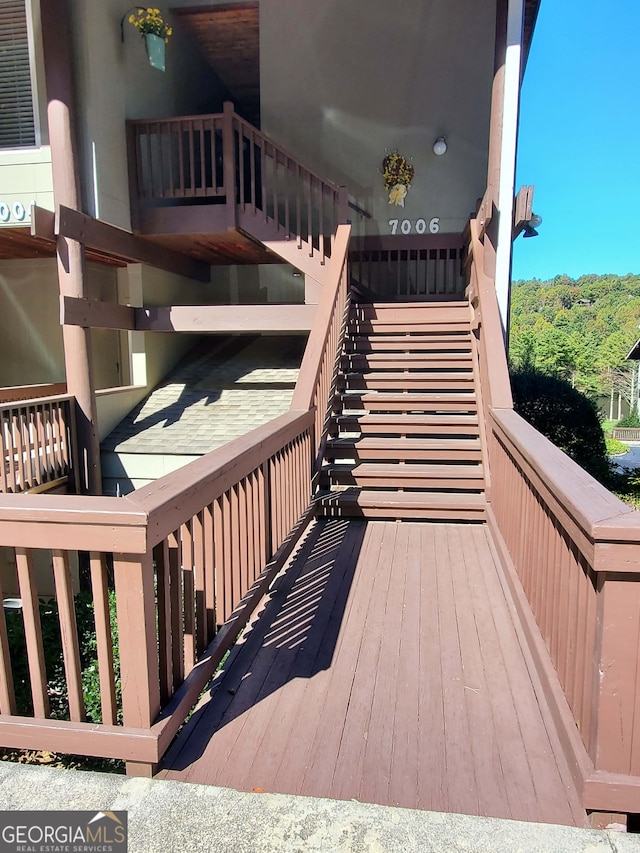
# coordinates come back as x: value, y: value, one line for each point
x: 31, y: 338
x: 343, y: 82
x: 25, y: 179
x: 115, y: 82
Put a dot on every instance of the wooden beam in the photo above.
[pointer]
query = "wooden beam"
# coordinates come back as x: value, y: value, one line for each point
x: 246, y: 319
x: 128, y: 247
x: 523, y: 210
x: 485, y: 212
x: 91, y: 313
x: 43, y: 223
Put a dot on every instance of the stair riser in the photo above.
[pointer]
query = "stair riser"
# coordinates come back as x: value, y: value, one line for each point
x: 354, y: 511
x: 399, y: 361
x: 444, y: 456
x: 398, y: 430
x: 410, y: 344
x: 374, y: 327
x: 408, y: 382
x: 474, y: 485
x: 353, y: 404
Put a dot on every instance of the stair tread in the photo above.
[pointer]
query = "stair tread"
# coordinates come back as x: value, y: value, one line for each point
x: 396, y: 498
x: 435, y: 420
x: 423, y: 470
x: 406, y: 443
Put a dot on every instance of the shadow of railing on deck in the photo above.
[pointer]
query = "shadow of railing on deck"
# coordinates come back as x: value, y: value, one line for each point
x: 295, y: 636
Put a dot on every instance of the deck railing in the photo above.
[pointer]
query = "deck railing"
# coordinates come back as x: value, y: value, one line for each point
x: 185, y: 552
x: 221, y: 159
x: 412, y: 267
x: 316, y: 382
x: 576, y: 550
x: 184, y: 560
x: 36, y: 443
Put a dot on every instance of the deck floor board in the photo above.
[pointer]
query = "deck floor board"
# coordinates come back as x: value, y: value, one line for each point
x: 386, y: 667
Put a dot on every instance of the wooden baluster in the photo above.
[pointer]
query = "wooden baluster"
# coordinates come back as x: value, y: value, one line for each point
x: 32, y: 632
x: 198, y: 554
x: 5, y: 454
x: 7, y: 694
x: 177, y: 612
x: 191, y: 188
x: 218, y: 537
x: 209, y: 579
x: 104, y: 639
x: 161, y: 560
x: 227, y: 564
x: 186, y: 546
x: 69, y: 634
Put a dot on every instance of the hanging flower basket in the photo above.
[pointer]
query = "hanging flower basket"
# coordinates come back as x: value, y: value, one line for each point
x: 398, y: 173
x: 155, y: 31
x: 155, y: 50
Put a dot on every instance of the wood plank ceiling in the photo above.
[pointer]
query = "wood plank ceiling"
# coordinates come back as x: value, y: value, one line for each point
x: 229, y: 37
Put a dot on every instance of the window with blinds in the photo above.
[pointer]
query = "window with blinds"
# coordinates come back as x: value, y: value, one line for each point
x: 17, y: 126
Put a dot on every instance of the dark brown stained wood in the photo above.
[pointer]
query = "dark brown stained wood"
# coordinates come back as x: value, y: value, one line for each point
x: 245, y: 319
x: 95, y: 314
x: 126, y: 247
x: 228, y: 35
x: 183, y: 229
x: 385, y: 667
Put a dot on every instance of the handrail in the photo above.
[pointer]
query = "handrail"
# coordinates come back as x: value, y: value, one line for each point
x: 571, y: 553
x: 317, y: 371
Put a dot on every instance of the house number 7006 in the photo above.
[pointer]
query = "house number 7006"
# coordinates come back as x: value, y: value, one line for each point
x: 406, y: 226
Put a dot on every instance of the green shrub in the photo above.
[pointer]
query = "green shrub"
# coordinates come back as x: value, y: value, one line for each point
x: 632, y: 421
x: 54, y: 663
x: 565, y: 416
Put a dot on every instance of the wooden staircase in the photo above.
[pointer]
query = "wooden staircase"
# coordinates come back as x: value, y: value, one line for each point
x: 404, y: 441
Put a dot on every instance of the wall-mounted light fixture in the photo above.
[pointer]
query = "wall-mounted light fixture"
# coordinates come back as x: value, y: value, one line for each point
x: 440, y: 146
x: 532, y: 224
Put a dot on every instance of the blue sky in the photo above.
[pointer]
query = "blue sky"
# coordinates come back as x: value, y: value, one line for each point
x: 579, y: 140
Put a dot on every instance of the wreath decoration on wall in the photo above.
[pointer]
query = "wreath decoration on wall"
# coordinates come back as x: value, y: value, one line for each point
x: 398, y: 173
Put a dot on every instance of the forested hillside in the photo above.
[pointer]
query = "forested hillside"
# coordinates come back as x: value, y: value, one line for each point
x: 578, y: 329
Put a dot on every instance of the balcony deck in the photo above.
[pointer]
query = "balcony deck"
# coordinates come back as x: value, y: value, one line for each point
x: 385, y: 666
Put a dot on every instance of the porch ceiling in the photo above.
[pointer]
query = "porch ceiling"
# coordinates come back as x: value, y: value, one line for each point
x: 232, y: 247
x: 20, y: 244
x: 229, y: 37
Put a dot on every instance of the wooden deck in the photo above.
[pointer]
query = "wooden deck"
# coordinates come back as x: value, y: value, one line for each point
x: 386, y: 667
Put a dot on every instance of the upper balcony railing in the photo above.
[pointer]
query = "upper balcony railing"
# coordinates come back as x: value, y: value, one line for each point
x: 221, y: 160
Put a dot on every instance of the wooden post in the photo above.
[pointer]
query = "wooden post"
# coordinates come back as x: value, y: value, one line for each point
x: 229, y: 163
x: 616, y: 700
x: 70, y: 254
x: 138, y: 644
